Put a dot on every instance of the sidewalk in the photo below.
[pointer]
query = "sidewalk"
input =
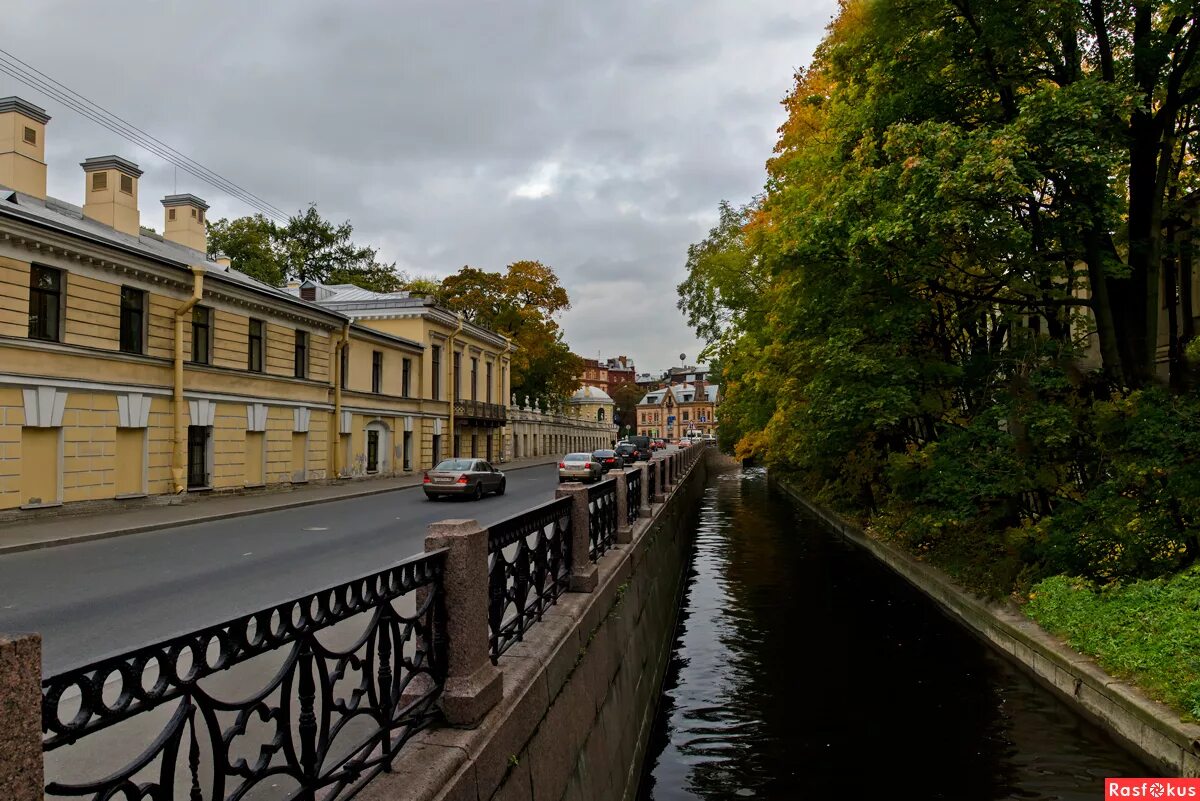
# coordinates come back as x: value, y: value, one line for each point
x: 181, y: 510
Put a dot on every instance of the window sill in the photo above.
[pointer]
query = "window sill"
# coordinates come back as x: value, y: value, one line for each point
x: 51, y: 505
x: 253, y: 486
x: 199, y: 489
x: 299, y: 481
x: 128, y: 496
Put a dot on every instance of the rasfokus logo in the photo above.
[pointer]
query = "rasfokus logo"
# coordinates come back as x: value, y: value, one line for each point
x: 1151, y: 788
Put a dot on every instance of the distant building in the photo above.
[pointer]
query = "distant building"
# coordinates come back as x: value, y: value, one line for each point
x: 591, y: 404
x: 620, y: 372
x: 686, y: 375
x: 595, y: 375
x: 672, y: 411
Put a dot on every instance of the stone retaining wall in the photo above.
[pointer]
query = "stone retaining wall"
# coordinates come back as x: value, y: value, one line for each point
x: 1147, y: 728
x: 579, y: 693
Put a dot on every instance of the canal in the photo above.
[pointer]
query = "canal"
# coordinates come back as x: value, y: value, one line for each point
x: 803, y: 669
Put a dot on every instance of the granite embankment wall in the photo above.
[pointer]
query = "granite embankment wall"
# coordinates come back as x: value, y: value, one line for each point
x: 1147, y: 728
x: 579, y: 693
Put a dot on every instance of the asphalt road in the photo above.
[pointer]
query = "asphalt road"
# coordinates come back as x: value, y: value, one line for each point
x: 93, y: 599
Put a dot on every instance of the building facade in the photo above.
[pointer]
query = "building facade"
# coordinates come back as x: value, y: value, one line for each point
x: 672, y: 411
x: 132, y: 365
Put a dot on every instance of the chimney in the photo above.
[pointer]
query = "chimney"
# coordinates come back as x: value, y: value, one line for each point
x: 223, y: 260
x: 110, y: 192
x: 23, y: 146
x: 308, y: 291
x: 183, y: 221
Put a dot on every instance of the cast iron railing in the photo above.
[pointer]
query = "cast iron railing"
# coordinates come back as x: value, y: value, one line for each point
x: 330, y: 714
x: 653, y: 479
x: 602, y: 517
x: 529, y: 567
x: 480, y: 411
x: 633, y: 496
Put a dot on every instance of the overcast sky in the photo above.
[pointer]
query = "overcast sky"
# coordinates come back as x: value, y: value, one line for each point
x: 595, y: 136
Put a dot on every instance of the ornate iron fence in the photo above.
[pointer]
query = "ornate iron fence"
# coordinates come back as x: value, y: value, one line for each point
x: 602, y: 517
x: 529, y: 567
x: 653, y: 478
x: 633, y: 495
x: 324, y: 722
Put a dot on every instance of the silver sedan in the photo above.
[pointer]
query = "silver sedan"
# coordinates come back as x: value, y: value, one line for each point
x: 470, y: 477
x: 579, y: 467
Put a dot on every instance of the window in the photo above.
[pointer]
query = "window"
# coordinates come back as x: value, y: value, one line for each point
x: 254, y: 352
x: 30, y: 136
x: 127, y: 184
x: 45, y: 299
x: 99, y: 181
x: 408, y: 450
x: 376, y: 371
x: 345, y: 364
x: 457, y: 378
x: 301, y: 355
x: 200, y: 215
x: 474, y: 378
x: 685, y: 415
x: 436, y: 360
x: 406, y: 378
x: 372, y: 451
x: 201, y: 331
x: 437, y: 448
x: 170, y: 214
x: 489, y: 382
x: 600, y: 415
x: 133, y: 320
x: 193, y: 214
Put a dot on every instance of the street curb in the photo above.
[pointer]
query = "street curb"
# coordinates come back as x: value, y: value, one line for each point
x: 142, y: 529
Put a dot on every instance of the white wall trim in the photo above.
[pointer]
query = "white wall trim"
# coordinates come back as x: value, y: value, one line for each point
x: 44, y: 406
x: 300, y: 420
x: 133, y: 410
x: 256, y: 417
x: 34, y: 382
x: 202, y: 412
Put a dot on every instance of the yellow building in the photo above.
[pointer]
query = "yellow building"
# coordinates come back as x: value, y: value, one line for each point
x: 464, y: 381
x: 673, y: 411
x: 132, y: 365
x: 592, y: 404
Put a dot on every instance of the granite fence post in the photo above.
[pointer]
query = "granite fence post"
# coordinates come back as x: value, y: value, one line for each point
x: 624, y: 530
x: 473, y: 684
x: 21, y: 776
x: 643, y: 501
x: 584, y: 576
x: 660, y: 480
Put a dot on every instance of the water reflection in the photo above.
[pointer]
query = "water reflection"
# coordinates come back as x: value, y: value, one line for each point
x: 803, y: 669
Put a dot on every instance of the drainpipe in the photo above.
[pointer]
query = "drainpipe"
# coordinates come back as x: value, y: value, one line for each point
x: 453, y: 384
x: 335, y: 437
x: 508, y: 348
x: 179, y: 452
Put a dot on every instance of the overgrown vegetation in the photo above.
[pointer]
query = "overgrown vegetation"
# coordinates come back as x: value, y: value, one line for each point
x: 943, y: 314
x: 1146, y: 631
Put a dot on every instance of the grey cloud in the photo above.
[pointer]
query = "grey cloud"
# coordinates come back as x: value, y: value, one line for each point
x: 597, y: 137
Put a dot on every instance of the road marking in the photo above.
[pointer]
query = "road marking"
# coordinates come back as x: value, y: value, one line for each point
x: 318, y: 528
x: 248, y: 553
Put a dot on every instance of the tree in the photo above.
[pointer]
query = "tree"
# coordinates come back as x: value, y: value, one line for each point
x: 625, y: 398
x: 307, y: 247
x: 520, y: 303
x: 250, y: 244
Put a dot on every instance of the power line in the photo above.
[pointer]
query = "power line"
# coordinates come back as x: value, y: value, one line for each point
x: 38, y: 80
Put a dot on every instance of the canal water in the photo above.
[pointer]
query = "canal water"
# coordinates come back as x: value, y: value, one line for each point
x: 803, y: 669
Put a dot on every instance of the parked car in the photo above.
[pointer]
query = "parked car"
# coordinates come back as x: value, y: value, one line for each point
x: 470, y: 477
x: 609, y: 460
x: 683, y: 443
x: 579, y: 467
x: 631, y: 452
x: 658, y: 444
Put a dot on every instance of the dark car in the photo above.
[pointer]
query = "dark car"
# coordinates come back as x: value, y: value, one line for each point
x: 630, y: 452
x: 468, y: 477
x: 609, y: 460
